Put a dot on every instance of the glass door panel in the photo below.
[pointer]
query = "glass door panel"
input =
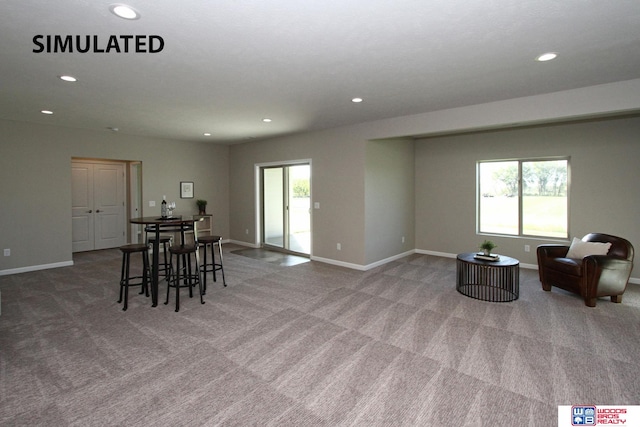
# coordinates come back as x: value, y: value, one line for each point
x: 286, y: 207
x: 299, y: 203
x: 273, y: 206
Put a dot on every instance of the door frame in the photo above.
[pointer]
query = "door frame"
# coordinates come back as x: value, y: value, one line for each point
x: 132, y: 190
x: 134, y: 201
x: 258, y: 199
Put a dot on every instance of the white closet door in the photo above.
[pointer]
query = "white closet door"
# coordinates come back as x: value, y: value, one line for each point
x: 98, y: 206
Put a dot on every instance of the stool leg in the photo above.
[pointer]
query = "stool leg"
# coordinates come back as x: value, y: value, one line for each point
x: 213, y: 261
x: 171, y: 278
x: 122, y: 276
x: 126, y: 283
x: 184, y: 269
x: 204, y: 267
x: 178, y: 283
x: 146, y: 275
x: 166, y: 268
x: 189, y: 276
x: 197, y: 254
x: 224, y: 282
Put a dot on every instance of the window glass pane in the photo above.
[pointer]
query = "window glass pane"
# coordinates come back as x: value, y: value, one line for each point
x: 499, y: 197
x: 544, y: 203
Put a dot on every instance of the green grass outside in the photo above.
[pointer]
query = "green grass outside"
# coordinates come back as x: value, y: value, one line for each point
x: 543, y: 215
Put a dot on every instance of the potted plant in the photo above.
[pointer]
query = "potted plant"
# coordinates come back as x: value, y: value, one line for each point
x: 202, y: 206
x: 487, y: 246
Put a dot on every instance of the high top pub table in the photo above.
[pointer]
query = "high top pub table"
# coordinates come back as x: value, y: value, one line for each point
x: 159, y: 224
x: 495, y: 281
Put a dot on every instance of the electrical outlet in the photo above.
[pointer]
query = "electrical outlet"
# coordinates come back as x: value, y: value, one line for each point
x: 152, y: 203
x: 339, y: 246
x: 527, y: 248
x: 7, y: 252
x: 402, y: 239
x: 246, y: 231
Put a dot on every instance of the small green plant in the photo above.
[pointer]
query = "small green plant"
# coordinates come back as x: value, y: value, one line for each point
x: 488, y: 246
x: 202, y: 205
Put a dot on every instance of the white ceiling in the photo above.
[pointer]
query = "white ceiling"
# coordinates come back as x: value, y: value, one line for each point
x: 227, y: 64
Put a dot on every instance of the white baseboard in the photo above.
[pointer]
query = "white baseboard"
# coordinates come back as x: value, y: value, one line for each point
x: 241, y: 243
x: 360, y: 266
x: 388, y: 260
x: 338, y: 263
x: 434, y: 253
x: 448, y: 255
x: 35, y: 268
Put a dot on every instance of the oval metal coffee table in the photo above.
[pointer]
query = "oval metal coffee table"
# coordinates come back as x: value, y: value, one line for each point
x: 495, y: 281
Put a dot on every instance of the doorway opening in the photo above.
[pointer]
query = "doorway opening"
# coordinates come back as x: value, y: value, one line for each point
x: 285, y: 207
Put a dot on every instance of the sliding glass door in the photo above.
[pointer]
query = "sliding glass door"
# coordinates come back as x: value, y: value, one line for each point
x: 273, y: 207
x: 286, y: 207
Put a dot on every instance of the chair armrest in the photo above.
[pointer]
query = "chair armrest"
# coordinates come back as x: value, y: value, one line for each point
x: 605, y: 275
x: 606, y: 262
x: 551, y: 251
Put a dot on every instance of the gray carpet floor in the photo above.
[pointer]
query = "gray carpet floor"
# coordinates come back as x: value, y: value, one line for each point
x: 307, y: 345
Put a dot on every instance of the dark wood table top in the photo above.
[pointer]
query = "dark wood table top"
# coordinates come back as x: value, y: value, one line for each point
x: 503, y: 261
x: 174, y: 220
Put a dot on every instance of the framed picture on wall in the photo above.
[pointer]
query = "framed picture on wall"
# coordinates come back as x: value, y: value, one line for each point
x: 186, y: 189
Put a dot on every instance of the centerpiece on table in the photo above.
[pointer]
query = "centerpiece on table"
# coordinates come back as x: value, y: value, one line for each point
x: 487, y: 246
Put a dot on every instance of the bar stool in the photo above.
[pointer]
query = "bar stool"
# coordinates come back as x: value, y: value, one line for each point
x: 165, y: 241
x: 126, y: 279
x: 211, y: 267
x: 184, y: 273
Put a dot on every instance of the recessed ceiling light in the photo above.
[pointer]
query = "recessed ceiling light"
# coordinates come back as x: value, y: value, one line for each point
x: 266, y: 120
x: 547, y: 56
x: 124, y: 11
x: 206, y: 134
x: 46, y: 112
x: 357, y: 100
x: 68, y: 78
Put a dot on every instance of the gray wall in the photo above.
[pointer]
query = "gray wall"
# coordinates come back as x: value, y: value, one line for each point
x: 389, y: 199
x: 337, y: 183
x: 604, y: 182
x: 35, y: 195
x: 371, y: 192
x: 365, y: 191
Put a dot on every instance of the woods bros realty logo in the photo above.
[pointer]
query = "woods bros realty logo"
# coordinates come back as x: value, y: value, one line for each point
x: 592, y: 415
x: 95, y: 44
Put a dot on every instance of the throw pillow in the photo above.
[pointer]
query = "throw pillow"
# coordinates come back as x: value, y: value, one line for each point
x: 580, y: 249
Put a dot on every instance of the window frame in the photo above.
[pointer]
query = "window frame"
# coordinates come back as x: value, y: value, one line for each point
x: 520, y: 196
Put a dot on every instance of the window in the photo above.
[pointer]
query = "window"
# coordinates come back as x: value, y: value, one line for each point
x: 524, y: 197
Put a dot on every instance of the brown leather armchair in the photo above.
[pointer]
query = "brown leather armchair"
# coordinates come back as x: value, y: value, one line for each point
x: 592, y: 276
